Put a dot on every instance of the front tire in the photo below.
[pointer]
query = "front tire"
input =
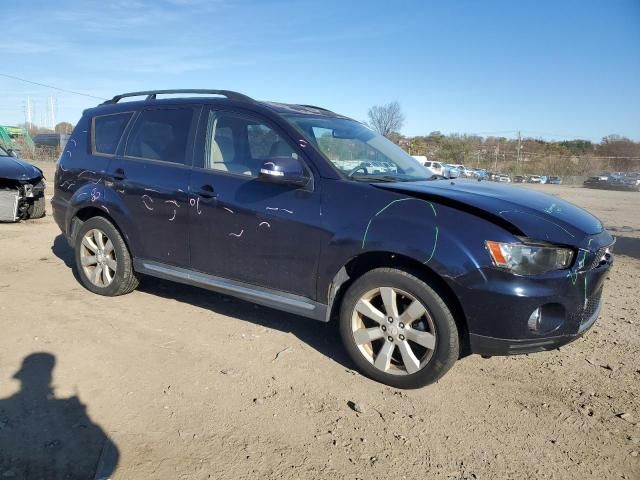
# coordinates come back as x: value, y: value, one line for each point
x: 37, y: 208
x: 103, y: 261
x: 397, y: 329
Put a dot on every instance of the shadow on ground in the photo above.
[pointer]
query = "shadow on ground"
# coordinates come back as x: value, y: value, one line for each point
x: 629, y: 246
x: 321, y: 336
x: 44, y: 437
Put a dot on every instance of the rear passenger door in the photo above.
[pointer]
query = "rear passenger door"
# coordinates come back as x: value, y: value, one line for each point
x: 151, y: 179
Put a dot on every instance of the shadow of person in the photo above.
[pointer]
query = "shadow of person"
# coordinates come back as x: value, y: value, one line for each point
x: 44, y: 437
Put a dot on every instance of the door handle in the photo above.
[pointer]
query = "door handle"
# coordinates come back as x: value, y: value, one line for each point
x: 119, y: 174
x: 206, y: 191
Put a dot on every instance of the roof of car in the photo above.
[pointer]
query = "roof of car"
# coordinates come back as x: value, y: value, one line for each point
x: 115, y: 103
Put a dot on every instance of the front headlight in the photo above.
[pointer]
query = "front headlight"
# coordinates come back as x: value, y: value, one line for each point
x: 529, y: 259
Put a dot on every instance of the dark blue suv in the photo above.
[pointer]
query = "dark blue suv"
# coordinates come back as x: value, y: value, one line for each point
x: 304, y: 210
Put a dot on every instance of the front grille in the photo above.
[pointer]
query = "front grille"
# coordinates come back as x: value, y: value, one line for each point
x: 9, y: 205
x: 590, y: 310
x: 592, y: 306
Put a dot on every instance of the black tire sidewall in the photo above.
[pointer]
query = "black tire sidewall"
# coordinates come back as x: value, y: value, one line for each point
x: 447, y: 341
x: 121, y: 250
x: 37, y: 209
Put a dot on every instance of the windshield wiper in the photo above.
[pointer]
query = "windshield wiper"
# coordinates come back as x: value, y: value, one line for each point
x: 376, y: 178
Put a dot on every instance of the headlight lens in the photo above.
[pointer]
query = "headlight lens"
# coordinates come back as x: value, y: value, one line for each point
x: 526, y: 259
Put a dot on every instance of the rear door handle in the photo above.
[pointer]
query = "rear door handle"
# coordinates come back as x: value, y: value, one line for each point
x: 206, y: 191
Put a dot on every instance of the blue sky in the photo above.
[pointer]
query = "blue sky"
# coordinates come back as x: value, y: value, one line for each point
x: 553, y: 69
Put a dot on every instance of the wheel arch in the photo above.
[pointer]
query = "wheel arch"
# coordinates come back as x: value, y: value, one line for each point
x: 365, y: 262
x: 88, y: 212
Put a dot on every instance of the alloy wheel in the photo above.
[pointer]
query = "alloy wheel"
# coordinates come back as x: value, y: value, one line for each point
x: 394, y: 331
x: 98, y: 258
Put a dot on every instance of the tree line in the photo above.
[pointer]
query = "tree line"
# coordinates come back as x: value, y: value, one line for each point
x: 510, y: 155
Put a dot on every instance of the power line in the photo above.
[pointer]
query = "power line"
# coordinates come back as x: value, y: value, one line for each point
x: 51, y: 86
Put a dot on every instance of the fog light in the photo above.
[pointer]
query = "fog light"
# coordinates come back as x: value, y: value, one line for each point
x: 546, y: 318
x: 535, y: 320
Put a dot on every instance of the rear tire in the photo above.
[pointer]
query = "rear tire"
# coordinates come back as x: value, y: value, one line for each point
x: 397, y: 329
x: 37, y: 209
x: 103, y: 261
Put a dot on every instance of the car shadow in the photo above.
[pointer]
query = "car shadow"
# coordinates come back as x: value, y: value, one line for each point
x: 43, y: 436
x: 629, y: 246
x: 64, y: 252
x: 319, y: 335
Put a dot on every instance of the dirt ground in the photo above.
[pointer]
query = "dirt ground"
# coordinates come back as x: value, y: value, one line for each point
x: 189, y: 384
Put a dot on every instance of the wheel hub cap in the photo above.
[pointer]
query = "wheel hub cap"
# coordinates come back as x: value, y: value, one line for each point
x: 393, y: 331
x: 98, y: 258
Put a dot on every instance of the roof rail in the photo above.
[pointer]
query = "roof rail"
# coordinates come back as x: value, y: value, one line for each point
x: 151, y: 94
x: 317, y: 108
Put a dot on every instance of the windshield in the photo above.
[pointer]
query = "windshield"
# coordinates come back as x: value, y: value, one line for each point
x: 4, y: 153
x: 359, y: 152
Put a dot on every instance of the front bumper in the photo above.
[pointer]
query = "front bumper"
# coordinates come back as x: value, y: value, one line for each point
x: 499, y: 306
x: 490, y: 346
x: 16, y: 200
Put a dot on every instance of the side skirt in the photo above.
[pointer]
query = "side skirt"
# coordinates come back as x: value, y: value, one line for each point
x: 284, y: 301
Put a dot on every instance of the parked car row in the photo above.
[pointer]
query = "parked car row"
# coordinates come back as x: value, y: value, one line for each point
x: 615, y: 181
x: 553, y: 180
x: 449, y: 170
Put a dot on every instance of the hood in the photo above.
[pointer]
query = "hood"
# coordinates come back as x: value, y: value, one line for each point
x: 12, y: 168
x: 520, y: 210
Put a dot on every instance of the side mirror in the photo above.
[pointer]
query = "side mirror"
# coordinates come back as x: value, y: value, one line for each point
x: 13, y: 153
x: 284, y: 170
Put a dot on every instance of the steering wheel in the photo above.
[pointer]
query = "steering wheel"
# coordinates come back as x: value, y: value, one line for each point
x: 359, y: 167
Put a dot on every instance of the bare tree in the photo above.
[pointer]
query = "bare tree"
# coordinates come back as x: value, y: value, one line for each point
x: 386, y: 119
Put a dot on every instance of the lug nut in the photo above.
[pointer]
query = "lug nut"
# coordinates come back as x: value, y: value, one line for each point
x: 384, y: 329
x: 390, y: 338
x: 390, y: 320
x: 401, y: 325
x: 401, y: 337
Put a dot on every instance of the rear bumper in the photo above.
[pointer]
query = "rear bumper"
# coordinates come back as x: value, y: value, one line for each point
x: 59, y: 209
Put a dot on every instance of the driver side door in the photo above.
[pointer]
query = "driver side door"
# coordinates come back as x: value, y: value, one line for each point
x: 244, y: 228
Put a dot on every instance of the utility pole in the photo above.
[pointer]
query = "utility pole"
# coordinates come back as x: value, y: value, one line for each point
x: 495, y: 166
x: 28, y: 111
x: 519, y: 149
x: 51, y: 107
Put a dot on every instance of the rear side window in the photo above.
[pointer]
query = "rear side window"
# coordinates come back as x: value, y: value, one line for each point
x: 161, y: 134
x: 107, y: 130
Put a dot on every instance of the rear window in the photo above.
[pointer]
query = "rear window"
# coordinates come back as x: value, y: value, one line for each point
x: 107, y: 130
x: 161, y: 134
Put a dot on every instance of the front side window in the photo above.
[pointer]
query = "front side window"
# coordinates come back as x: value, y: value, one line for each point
x: 161, y: 134
x: 107, y: 130
x: 239, y: 144
x: 357, y: 151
